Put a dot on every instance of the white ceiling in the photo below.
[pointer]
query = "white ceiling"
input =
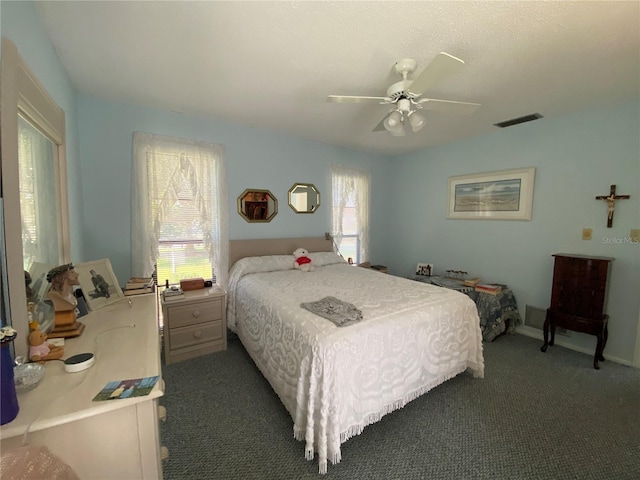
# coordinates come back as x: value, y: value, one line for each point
x: 271, y: 64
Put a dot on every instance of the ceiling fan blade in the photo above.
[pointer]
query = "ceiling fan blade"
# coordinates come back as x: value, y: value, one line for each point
x: 448, y: 106
x: 356, y: 99
x: 380, y: 126
x: 441, y: 67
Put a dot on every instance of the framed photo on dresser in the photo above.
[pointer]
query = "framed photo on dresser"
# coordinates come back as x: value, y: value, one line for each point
x: 424, y: 269
x: 99, y: 284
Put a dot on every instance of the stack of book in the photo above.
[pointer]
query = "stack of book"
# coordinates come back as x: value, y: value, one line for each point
x: 172, y: 293
x: 138, y: 286
x: 489, y: 288
x: 472, y: 282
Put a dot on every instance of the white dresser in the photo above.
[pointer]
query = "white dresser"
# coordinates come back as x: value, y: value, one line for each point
x: 107, y: 439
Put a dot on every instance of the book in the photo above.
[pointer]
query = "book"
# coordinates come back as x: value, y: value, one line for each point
x: 169, y: 292
x: 138, y: 291
x: 172, y: 293
x: 488, y: 288
x: 472, y: 282
x: 138, y: 282
x: 118, y: 389
x: 173, y: 297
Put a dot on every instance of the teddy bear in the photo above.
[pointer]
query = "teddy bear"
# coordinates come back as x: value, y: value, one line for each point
x: 302, y: 261
x: 40, y: 349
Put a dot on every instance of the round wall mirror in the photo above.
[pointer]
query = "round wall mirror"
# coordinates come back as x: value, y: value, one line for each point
x: 257, y: 205
x: 304, y: 198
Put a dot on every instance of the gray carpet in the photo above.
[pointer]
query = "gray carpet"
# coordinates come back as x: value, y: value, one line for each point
x: 534, y: 416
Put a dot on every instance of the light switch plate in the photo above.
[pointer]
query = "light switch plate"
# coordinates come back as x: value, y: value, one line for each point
x: 586, y: 233
x: 635, y: 235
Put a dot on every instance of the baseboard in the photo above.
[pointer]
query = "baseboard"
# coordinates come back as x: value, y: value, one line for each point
x: 533, y: 333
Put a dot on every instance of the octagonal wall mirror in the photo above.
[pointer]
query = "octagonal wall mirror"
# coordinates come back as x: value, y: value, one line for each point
x: 257, y: 205
x: 304, y: 198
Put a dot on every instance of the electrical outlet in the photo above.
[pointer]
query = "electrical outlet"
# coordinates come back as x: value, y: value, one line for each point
x: 635, y: 235
x: 586, y: 233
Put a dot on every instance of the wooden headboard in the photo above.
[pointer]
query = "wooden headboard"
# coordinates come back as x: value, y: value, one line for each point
x: 275, y: 246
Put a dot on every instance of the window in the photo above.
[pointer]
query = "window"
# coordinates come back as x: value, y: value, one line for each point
x: 350, y: 211
x: 38, y: 199
x: 179, y: 210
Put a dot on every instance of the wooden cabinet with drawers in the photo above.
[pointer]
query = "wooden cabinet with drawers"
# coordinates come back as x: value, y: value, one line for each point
x: 194, y: 325
x: 578, y: 299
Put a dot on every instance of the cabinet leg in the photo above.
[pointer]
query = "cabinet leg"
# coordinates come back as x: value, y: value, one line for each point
x: 545, y: 333
x: 605, y: 336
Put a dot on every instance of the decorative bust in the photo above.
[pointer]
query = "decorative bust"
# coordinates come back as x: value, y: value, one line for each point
x: 62, y: 280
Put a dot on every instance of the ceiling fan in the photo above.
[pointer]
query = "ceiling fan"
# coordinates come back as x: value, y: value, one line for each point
x: 406, y: 95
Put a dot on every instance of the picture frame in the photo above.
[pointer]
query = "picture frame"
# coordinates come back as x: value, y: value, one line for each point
x: 424, y: 269
x: 500, y: 195
x: 99, y: 284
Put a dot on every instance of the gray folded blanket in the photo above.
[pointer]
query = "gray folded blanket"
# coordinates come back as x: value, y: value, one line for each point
x: 341, y: 313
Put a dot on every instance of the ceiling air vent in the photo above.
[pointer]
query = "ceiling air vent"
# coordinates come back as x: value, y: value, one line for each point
x: 515, y: 121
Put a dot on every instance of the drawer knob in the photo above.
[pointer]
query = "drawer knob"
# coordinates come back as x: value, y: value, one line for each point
x: 197, y: 334
x: 196, y: 313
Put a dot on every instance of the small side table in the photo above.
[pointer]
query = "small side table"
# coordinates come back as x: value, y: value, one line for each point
x: 498, y: 313
x: 194, y: 325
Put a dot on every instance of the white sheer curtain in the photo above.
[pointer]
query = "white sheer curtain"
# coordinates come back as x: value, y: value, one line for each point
x: 38, y: 198
x: 351, y: 185
x: 204, y: 166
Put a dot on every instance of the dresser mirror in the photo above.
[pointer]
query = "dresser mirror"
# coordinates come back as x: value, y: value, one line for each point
x: 257, y: 205
x: 34, y: 184
x: 304, y: 198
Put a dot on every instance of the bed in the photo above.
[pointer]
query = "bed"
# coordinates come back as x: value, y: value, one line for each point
x: 334, y: 381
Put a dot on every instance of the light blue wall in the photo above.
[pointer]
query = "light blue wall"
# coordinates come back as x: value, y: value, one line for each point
x: 576, y: 158
x: 21, y: 24
x: 255, y: 159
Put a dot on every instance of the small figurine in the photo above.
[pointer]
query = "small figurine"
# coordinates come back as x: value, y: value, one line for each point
x: 41, y: 350
x: 62, y: 279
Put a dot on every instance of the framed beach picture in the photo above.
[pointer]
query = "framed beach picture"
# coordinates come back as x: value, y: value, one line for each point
x: 99, y: 284
x: 503, y: 195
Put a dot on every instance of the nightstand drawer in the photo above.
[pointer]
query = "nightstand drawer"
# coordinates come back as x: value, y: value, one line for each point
x: 195, y: 334
x: 194, y: 313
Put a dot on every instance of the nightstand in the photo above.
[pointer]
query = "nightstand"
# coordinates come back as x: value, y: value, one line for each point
x: 194, y: 325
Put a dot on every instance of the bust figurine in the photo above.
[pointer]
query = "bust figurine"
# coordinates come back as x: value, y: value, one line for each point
x: 62, y: 280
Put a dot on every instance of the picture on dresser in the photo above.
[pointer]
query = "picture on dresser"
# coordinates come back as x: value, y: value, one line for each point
x: 425, y: 269
x: 99, y: 284
x: 135, y: 387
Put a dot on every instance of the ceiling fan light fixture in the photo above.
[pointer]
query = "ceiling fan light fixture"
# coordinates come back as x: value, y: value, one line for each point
x: 416, y: 121
x: 398, y: 132
x: 393, y: 120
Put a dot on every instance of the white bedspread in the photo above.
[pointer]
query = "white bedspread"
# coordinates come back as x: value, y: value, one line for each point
x: 335, y: 381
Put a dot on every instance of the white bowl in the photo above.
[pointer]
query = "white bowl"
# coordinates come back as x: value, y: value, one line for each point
x: 27, y: 376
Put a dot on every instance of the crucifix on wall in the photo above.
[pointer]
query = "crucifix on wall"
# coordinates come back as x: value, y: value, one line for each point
x: 611, y: 202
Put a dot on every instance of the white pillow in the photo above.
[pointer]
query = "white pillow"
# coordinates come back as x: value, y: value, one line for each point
x: 265, y: 263
x: 320, y: 259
